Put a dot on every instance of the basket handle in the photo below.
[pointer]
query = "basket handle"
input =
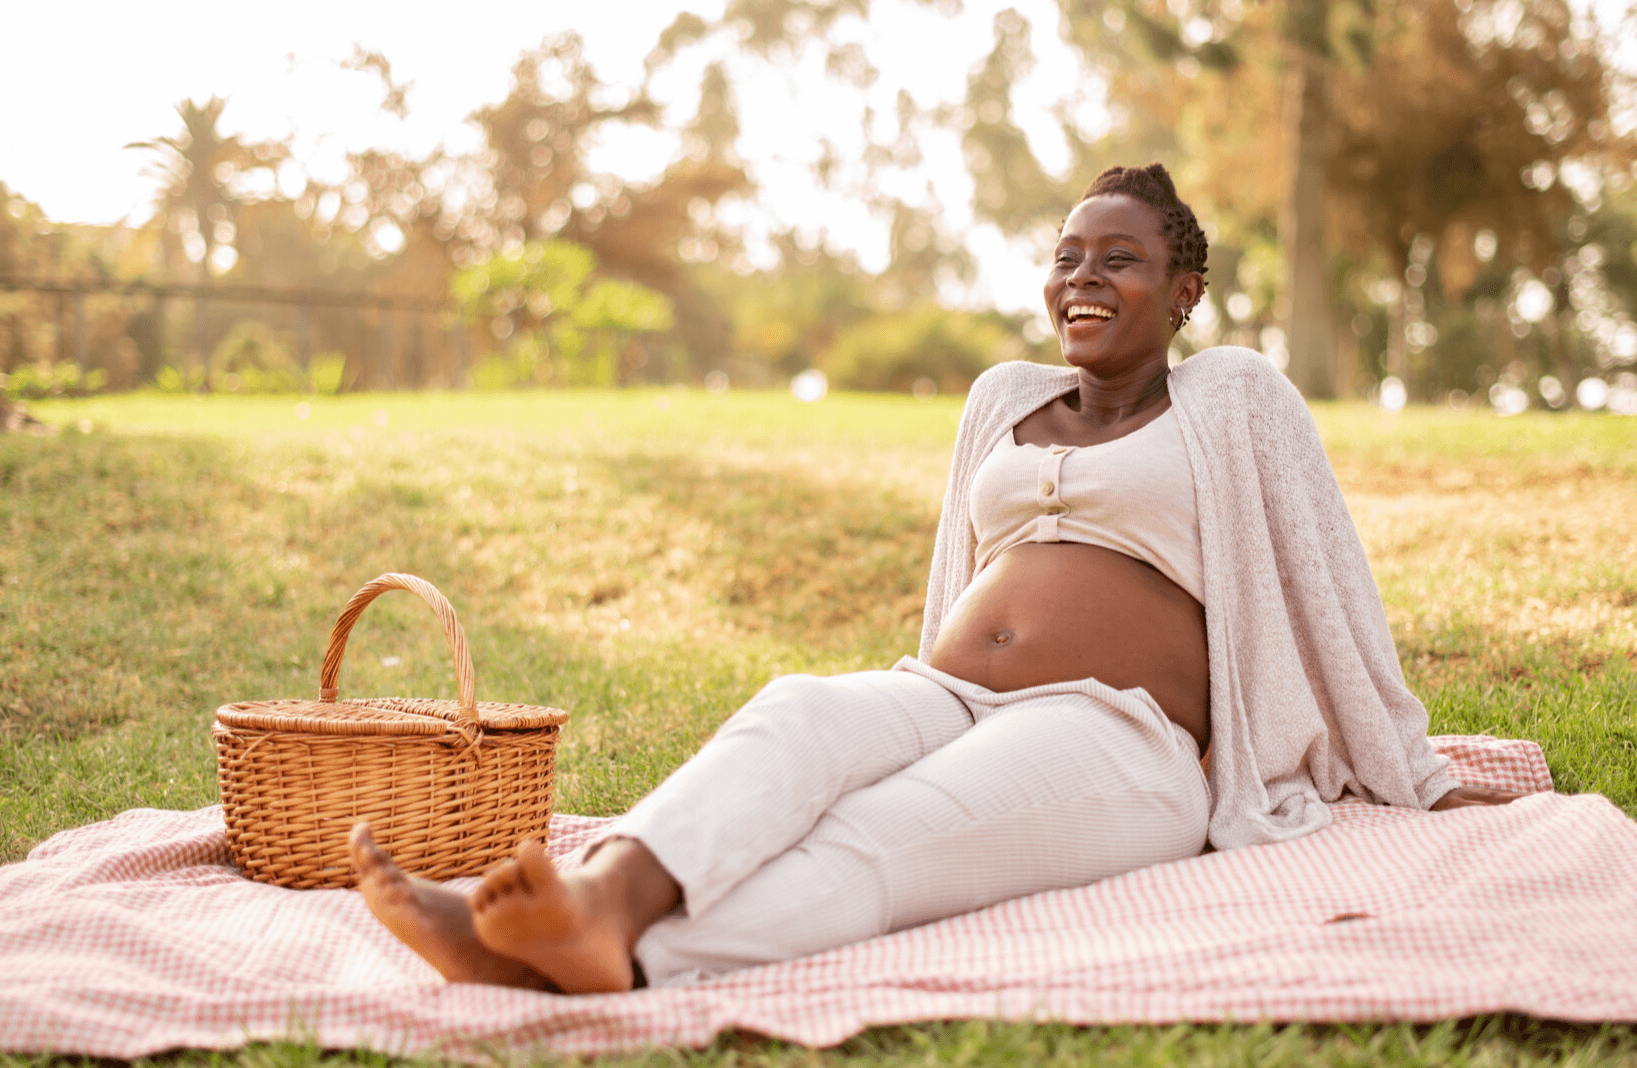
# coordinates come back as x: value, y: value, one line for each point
x: 465, y: 677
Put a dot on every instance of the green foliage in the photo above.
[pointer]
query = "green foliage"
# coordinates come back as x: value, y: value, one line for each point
x: 540, y: 138
x: 41, y: 331
x: 552, y: 272
x: 897, y: 350
x: 180, y: 380
x: 1511, y: 134
x: 324, y: 373
x: 518, y: 367
x: 20, y: 222
x: 785, y: 320
x: 251, y: 358
x: 572, y: 333
x: 611, y: 304
x: 875, y: 332
x: 35, y: 380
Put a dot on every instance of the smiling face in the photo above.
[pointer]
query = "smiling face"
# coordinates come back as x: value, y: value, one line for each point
x: 1110, y: 293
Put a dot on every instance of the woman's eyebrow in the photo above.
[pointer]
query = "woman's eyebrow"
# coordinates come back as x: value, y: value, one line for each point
x: 1129, y: 238
x: 1133, y: 238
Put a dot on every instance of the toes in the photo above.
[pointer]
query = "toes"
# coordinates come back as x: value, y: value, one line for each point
x: 365, y: 853
x: 504, y: 882
x: 534, y: 868
x: 526, y: 875
x: 500, y: 881
x: 373, y: 863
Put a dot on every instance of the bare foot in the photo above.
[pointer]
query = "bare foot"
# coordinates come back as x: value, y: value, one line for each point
x: 565, y: 928
x: 434, y: 921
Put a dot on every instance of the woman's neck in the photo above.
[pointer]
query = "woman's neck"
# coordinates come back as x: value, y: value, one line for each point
x: 1109, y: 401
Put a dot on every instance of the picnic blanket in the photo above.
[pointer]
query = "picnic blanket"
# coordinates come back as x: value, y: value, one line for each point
x: 134, y: 935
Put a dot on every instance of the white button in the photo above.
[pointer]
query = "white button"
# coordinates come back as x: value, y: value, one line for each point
x: 1046, y: 488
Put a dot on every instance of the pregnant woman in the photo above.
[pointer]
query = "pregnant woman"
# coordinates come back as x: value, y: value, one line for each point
x: 1134, y: 562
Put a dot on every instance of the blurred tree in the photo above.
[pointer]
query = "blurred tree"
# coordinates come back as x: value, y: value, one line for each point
x: 405, y: 225
x: 1414, y: 119
x: 394, y: 95
x: 54, y: 343
x: 1495, y: 119
x: 197, y: 169
x: 253, y: 358
x: 564, y: 325
x: 924, y: 348
x: 924, y: 259
x: 785, y: 319
x: 539, y: 185
x: 1010, y: 187
x: 1510, y: 149
x: 771, y: 29
x: 24, y: 252
x: 1305, y: 115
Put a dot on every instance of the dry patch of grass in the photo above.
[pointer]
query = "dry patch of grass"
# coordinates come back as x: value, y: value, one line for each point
x: 1503, y: 548
x: 1486, y: 580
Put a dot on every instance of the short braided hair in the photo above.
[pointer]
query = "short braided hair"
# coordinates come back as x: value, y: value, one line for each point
x: 1153, y: 186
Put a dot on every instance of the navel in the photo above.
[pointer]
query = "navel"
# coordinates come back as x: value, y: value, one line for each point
x: 1002, y: 638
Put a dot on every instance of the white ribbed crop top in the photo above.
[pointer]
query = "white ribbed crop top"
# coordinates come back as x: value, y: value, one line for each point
x: 1134, y: 495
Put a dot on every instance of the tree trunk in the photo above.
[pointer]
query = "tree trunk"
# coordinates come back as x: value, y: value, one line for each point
x: 1301, y: 223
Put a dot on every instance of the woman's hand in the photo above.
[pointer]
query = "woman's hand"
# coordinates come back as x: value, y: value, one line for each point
x: 1463, y: 796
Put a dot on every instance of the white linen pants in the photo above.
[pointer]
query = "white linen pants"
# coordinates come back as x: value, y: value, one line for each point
x: 831, y: 810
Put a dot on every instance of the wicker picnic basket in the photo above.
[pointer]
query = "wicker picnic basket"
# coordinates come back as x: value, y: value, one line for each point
x: 449, y: 787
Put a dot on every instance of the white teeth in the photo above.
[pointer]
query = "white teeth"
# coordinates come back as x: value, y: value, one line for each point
x: 1076, y: 311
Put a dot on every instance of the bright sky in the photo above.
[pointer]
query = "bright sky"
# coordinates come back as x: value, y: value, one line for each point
x: 84, y: 79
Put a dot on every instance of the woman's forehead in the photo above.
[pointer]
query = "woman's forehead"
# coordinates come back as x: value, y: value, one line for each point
x: 1114, y: 214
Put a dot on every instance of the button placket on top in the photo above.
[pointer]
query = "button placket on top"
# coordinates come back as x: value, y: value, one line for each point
x: 1049, y: 493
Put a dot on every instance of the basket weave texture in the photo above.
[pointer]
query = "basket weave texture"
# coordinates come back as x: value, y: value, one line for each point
x: 449, y: 787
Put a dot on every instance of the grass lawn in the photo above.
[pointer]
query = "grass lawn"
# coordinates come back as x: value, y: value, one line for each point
x: 648, y: 559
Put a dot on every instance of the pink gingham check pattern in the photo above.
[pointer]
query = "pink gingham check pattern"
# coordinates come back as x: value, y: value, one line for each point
x: 133, y: 936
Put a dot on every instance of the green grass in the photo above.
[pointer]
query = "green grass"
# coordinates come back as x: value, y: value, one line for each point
x: 648, y: 559
x: 1507, y: 1042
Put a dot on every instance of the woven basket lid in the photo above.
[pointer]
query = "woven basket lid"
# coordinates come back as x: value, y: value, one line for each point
x: 400, y: 716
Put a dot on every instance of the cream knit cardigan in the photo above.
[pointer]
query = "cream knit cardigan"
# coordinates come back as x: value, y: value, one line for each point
x: 1307, y: 697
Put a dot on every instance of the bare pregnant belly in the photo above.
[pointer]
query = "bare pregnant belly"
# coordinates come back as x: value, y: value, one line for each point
x: 1059, y: 611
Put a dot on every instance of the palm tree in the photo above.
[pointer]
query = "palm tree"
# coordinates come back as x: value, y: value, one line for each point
x: 195, y: 167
